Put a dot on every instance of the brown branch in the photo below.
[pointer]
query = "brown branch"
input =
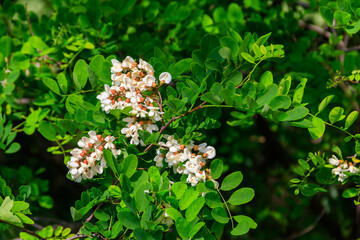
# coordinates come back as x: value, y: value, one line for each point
x: 28, y: 20
x: 173, y: 119
x: 308, y: 229
x: 314, y: 28
x: 23, y: 229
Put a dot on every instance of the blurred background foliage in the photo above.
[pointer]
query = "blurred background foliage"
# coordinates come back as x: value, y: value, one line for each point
x: 41, y: 38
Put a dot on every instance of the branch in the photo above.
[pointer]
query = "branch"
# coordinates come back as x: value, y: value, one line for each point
x: 314, y: 28
x: 28, y: 20
x: 173, y: 119
x: 23, y: 229
x: 308, y: 229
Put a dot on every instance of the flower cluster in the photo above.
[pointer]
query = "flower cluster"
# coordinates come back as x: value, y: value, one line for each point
x: 129, y: 82
x: 87, y: 162
x: 342, y: 167
x: 189, y: 159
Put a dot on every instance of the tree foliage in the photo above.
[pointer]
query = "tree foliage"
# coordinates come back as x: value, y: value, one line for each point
x: 179, y: 120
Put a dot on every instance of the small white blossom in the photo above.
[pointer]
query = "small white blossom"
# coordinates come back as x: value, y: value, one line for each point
x: 165, y: 77
x: 334, y: 161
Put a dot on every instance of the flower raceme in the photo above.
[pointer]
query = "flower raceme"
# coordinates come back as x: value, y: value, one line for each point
x: 342, y: 167
x: 87, y: 162
x: 185, y: 159
x: 129, y: 82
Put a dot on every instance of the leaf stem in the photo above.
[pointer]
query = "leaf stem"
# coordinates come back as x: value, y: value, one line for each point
x: 227, y: 208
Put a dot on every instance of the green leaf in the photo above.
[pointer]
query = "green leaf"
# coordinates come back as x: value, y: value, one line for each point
x: 212, y: 199
x: 141, y: 199
x: 284, y: 86
x: 182, y: 66
x: 216, y: 168
x: 187, y: 198
x: 266, y: 78
x: 129, y: 201
x: 324, y: 103
x: 248, y: 57
x: 342, y: 18
x: 269, y: 93
x: 154, y: 175
x: 183, y: 227
x: 231, y: 181
x: 140, y: 234
x: 75, y: 214
x: 327, y: 14
x: 281, y: 101
x: 37, y: 43
x: 193, y: 210
x: 351, y: 119
x: 178, y: 189
x: 58, y: 231
x: 211, y: 98
x: 241, y: 229
x: 353, y: 28
x: 335, y: 114
x: 66, y: 232
x: 311, y: 189
x: 220, y: 215
x: 26, y: 236
x: 173, y: 213
x: 299, y: 92
x: 109, y: 158
x: 128, y: 219
x: 63, y: 84
x: 231, y: 44
x: 14, y: 147
x: 80, y: 73
x: 304, y: 164
x: 129, y: 165
x: 350, y: 193
x: 19, y: 61
x: 6, y: 206
x: 46, y: 202
x: 52, y: 84
x: 297, y: 113
x: 357, y: 147
x: 114, y: 191
x: 47, y: 129
x: 242, y: 196
x: 5, y: 43
x: 196, y: 228
x: 318, y: 128
x: 20, y: 206
x: 240, y: 218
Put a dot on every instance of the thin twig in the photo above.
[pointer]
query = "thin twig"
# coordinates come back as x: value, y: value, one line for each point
x: 23, y: 229
x: 309, y: 228
x: 28, y: 20
x: 173, y: 119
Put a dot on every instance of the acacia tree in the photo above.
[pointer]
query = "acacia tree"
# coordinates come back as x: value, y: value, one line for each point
x: 142, y: 126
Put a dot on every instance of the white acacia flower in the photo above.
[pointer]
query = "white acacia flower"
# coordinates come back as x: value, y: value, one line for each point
x: 165, y: 77
x: 146, y: 66
x: 149, y: 80
x: 128, y: 62
x: 334, y: 160
x: 210, y: 151
x: 353, y: 169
